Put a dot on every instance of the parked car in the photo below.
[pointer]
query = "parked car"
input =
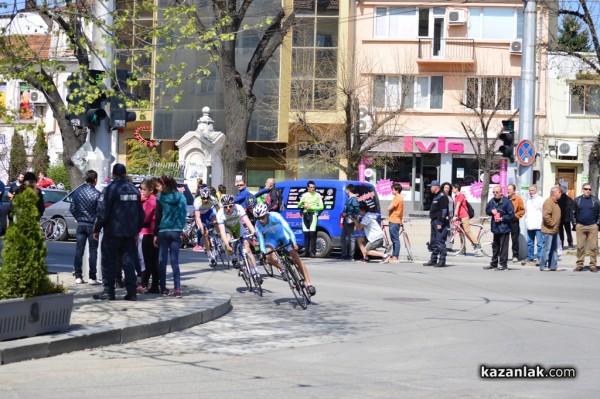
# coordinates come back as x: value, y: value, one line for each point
x: 51, y: 196
x: 329, y: 228
x: 67, y: 222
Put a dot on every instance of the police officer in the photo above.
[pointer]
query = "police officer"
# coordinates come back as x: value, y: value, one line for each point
x: 121, y: 216
x: 438, y: 213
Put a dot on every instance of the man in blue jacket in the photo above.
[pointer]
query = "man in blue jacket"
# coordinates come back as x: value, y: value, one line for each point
x: 501, y: 210
x: 121, y: 217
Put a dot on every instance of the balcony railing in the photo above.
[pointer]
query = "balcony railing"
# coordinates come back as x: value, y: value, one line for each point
x: 447, y: 50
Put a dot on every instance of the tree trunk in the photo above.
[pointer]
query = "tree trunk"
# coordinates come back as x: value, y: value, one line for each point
x: 485, y: 188
x: 238, y: 111
x: 352, y: 168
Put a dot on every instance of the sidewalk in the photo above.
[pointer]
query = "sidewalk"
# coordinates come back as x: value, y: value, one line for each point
x: 100, y: 323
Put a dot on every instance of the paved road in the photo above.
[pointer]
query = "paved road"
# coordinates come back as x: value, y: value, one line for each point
x: 375, y: 331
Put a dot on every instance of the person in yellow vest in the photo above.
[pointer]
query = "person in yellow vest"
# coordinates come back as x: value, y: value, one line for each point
x: 311, y: 204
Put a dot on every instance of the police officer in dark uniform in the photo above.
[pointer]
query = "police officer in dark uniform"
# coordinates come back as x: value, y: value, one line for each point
x: 121, y: 216
x: 438, y: 213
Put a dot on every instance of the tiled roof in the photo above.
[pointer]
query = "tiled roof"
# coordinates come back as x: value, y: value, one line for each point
x: 39, y: 45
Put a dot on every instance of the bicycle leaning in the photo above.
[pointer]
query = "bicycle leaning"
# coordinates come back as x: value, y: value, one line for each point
x: 295, y: 279
x: 458, y: 238
x: 404, y: 239
x: 52, y: 228
x: 246, y: 271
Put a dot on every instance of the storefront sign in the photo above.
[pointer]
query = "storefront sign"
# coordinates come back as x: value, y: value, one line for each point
x: 439, y: 145
x: 503, y: 174
x: 384, y: 187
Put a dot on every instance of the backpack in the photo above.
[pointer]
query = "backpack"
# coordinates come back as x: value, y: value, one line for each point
x: 470, y: 210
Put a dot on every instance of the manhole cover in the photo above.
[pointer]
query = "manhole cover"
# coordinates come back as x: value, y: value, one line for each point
x: 402, y: 299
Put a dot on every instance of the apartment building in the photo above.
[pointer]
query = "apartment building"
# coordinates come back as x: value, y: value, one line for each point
x: 445, y: 60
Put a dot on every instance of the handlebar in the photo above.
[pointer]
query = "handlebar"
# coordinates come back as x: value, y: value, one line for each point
x: 244, y: 237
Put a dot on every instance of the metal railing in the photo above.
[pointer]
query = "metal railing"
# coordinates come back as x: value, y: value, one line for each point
x: 447, y: 49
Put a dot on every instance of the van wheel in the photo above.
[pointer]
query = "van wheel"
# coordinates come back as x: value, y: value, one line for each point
x: 324, y: 246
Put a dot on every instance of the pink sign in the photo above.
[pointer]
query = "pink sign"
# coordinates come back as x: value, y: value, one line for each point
x: 384, y: 187
x: 503, y: 174
x: 495, y: 178
x: 476, y: 189
x: 361, y: 170
x: 437, y: 145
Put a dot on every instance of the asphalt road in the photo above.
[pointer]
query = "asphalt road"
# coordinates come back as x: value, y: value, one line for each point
x: 374, y: 331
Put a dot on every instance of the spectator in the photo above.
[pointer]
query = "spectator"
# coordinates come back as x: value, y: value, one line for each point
x: 149, y: 251
x: 438, y: 213
x: 566, y: 205
x: 242, y: 194
x: 30, y: 181
x: 551, y: 220
x: 2, y: 190
x: 373, y: 238
x: 395, y: 219
x: 15, y: 185
x: 501, y: 210
x: 171, y: 212
x: 222, y: 190
x: 348, y: 240
x: 83, y: 208
x: 586, y: 221
x: 447, y: 190
x: 120, y: 216
x: 519, y: 209
x: 273, y: 197
x: 533, y: 224
x: 461, y: 214
x: 311, y: 204
x: 44, y: 181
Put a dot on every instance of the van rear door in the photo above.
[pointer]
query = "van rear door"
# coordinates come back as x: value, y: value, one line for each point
x: 366, y: 193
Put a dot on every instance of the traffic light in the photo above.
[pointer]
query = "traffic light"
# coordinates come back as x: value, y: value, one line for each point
x: 508, y: 139
x: 92, y: 114
x: 119, y: 116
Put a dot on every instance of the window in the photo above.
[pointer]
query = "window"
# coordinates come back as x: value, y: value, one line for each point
x: 584, y: 99
x: 397, y: 22
x: 492, y: 93
x: 314, y: 57
x: 416, y: 92
x: 496, y: 23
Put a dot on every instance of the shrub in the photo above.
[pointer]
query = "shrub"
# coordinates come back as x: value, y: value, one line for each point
x: 58, y: 173
x: 24, y: 271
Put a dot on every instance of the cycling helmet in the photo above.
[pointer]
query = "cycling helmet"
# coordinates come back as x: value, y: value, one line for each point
x: 251, y: 201
x: 227, y: 199
x: 204, y: 192
x: 261, y: 210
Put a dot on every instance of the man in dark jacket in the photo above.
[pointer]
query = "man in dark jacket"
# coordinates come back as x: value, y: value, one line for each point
x: 565, y: 203
x: 83, y: 208
x: 500, y: 208
x: 439, y: 215
x: 121, y: 217
x: 271, y: 195
x: 586, y: 221
x: 351, y: 209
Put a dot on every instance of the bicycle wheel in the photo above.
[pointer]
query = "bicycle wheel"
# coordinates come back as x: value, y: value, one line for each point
x: 458, y: 244
x: 485, y: 238
x: 296, y: 283
x: 49, y: 229
x: 257, y: 284
x: 406, y: 240
x: 244, y: 271
x: 268, y: 268
x: 217, y: 245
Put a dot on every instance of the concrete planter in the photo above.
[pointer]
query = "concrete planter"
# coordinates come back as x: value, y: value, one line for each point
x: 26, y: 317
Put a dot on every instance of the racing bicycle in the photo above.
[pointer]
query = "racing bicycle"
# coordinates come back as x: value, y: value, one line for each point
x: 295, y: 279
x: 217, y: 248
x: 250, y: 277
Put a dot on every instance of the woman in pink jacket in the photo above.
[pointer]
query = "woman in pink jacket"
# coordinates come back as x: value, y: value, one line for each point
x: 149, y: 251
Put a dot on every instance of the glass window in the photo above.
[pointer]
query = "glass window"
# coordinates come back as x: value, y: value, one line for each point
x: 422, y: 93
x: 326, y: 64
x: 490, y: 93
x: 577, y: 99
x: 475, y: 20
x: 303, y: 33
x: 437, y: 92
x: 381, y: 22
x: 379, y: 91
x: 328, y: 194
x: 517, y: 95
x: 327, y: 32
x: 395, y: 22
x: 592, y: 101
x: 499, y: 23
x: 423, y: 22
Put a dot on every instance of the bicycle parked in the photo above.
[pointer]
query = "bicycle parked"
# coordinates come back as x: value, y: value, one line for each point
x: 52, y: 229
x: 295, y: 279
x: 404, y: 239
x: 248, y: 273
x: 459, y: 238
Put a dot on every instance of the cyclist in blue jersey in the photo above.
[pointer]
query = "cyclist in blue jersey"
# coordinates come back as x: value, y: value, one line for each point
x: 272, y: 230
x: 206, y: 216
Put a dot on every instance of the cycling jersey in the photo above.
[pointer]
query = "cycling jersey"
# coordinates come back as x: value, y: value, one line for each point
x: 274, y: 231
x: 233, y: 222
x: 207, y: 210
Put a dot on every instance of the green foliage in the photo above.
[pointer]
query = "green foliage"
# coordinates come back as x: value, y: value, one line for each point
x: 140, y: 157
x: 41, y: 160
x: 18, y: 156
x: 24, y: 271
x: 572, y: 36
x: 58, y: 173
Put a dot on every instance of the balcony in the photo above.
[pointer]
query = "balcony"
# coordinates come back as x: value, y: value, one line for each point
x: 437, y: 51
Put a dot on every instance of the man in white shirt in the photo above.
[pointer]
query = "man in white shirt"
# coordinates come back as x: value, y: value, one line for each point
x: 373, y: 235
x: 533, y: 223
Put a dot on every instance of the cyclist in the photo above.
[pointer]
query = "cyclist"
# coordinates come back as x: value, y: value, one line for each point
x: 206, y: 215
x: 231, y: 220
x: 272, y: 229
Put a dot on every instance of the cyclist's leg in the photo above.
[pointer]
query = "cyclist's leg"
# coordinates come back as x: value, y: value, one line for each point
x: 301, y: 266
x: 272, y: 257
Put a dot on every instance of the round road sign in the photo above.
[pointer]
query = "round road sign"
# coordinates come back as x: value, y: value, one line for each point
x: 525, y: 152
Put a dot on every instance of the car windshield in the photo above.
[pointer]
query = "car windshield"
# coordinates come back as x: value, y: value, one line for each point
x: 53, y: 196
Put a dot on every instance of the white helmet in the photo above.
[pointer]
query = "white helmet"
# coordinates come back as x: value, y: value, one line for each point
x: 260, y: 210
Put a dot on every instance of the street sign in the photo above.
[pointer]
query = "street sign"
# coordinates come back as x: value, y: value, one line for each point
x: 525, y: 152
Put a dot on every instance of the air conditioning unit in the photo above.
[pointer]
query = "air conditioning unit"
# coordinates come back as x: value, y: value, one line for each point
x: 457, y: 17
x: 365, y: 119
x: 516, y: 46
x: 37, y: 97
x: 566, y: 149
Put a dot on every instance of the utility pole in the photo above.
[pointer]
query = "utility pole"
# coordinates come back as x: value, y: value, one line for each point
x: 527, y: 111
